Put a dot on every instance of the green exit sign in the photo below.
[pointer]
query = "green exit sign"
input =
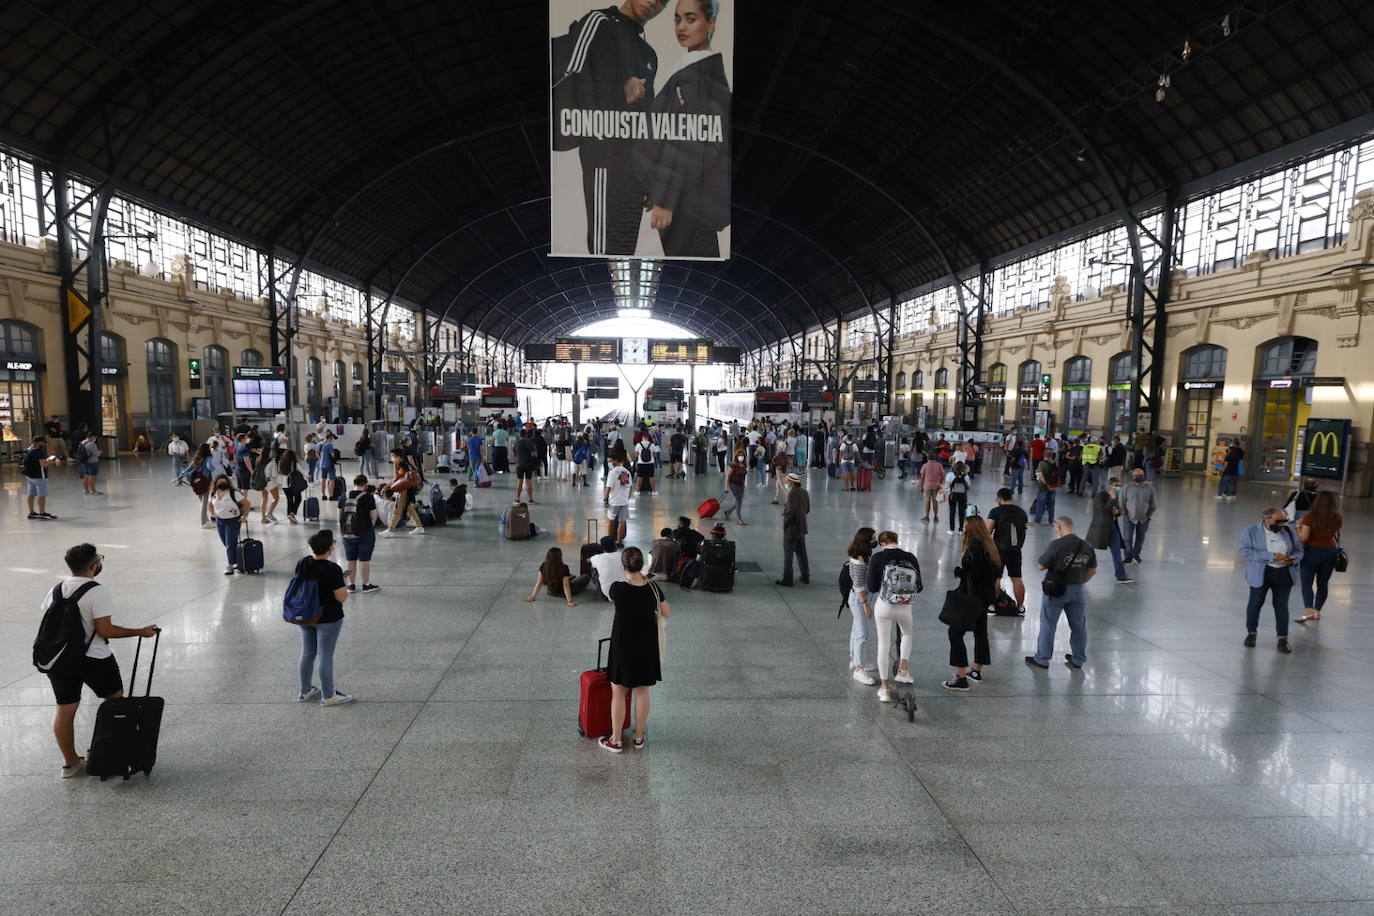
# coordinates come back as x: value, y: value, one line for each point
x: 193, y: 370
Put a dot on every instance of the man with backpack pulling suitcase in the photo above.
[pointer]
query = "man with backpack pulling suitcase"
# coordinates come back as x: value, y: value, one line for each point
x: 73, y: 646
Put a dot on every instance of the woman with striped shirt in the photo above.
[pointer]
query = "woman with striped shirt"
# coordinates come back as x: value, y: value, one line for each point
x: 862, y: 635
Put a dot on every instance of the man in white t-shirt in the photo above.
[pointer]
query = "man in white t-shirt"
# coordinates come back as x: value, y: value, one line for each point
x: 97, y: 669
x: 619, y: 487
x: 607, y: 568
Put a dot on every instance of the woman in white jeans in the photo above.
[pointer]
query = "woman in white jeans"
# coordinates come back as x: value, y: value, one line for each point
x: 895, y: 591
x: 861, y: 631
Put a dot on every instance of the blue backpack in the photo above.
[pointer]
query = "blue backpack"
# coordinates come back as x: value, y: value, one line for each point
x: 302, y: 605
x: 579, y: 454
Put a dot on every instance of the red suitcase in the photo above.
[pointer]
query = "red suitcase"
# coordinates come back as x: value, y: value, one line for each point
x: 709, y: 508
x: 594, y: 705
x: 589, y: 549
x: 865, y: 479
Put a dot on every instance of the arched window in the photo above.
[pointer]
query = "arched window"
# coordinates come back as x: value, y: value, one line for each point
x: 997, y: 374
x: 920, y: 383
x: 1122, y: 368
x: 340, y: 383
x: 216, y: 373
x: 111, y: 350
x: 161, y: 363
x: 1287, y: 356
x: 994, y: 414
x: 1078, y: 376
x: 1204, y: 362
x: 1078, y: 371
x: 1027, y: 397
x: 312, y: 385
x: 901, y: 381
x: 941, y: 379
x: 358, y: 386
x: 1028, y: 376
x: 18, y: 339
x: 251, y: 358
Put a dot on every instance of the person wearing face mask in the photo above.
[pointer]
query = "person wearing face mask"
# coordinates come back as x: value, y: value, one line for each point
x: 96, y: 667
x: 739, y: 473
x: 1272, y: 553
x: 1138, y: 504
x: 229, y: 507
x: 1104, y: 531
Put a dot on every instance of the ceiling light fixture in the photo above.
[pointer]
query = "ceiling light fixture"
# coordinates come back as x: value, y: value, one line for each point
x: 1187, y: 49
x: 1162, y: 87
x: 1226, y: 26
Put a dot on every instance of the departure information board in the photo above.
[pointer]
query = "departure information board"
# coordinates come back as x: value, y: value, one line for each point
x: 687, y: 352
x: 587, y: 349
x: 541, y: 353
x: 731, y: 356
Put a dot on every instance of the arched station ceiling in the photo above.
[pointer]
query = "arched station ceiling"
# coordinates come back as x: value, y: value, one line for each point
x: 404, y: 142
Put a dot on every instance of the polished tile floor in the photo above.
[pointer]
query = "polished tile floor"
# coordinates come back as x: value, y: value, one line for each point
x: 1177, y: 773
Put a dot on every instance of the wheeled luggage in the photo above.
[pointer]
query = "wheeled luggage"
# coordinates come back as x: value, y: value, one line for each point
x: 126, y: 729
x: 312, y: 509
x: 250, y: 553
x: 594, y: 701
x: 865, y: 479
x: 589, y: 549
x: 515, y: 523
x: 709, y: 508
x: 718, y: 565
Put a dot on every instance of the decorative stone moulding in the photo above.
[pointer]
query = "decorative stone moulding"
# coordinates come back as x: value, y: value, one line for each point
x: 1255, y: 259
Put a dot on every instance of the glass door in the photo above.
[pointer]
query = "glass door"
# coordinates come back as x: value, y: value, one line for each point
x: 1197, y: 428
x: 112, y: 410
x: 1274, y: 445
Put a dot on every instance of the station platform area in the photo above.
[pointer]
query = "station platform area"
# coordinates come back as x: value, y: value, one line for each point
x: 1178, y: 772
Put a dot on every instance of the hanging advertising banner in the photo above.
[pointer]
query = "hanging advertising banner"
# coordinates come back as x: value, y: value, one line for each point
x: 639, y: 129
x: 1326, y: 449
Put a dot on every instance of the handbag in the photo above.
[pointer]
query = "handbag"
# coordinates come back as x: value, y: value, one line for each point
x: 1056, y: 581
x: 296, y: 480
x: 961, y: 609
x: 662, y: 623
x: 1342, y: 558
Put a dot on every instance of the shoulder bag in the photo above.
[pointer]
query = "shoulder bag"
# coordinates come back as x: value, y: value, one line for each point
x: 662, y: 622
x: 1342, y: 558
x: 962, y: 608
x: 1056, y: 581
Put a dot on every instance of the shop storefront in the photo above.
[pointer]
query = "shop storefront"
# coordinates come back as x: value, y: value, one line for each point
x: 21, y: 389
x: 1284, y: 378
x: 994, y: 416
x: 1078, y: 377
x: 1120, y: 385
x: 1204, y: 373
x: 1027, y: 397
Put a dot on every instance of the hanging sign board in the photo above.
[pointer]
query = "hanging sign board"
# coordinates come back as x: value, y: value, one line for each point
x: 639, y: 131
x: 1326, y: 449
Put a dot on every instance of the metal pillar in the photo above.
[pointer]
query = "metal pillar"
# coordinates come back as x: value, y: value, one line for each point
x: 83, y: 289
x: 1147, y: 314
x: 375, y: 321
x: 972, y: 325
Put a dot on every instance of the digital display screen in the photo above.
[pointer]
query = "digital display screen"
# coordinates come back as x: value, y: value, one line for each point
x: 587, y: 350
x: 259, y: 394
x: 689, y: 352
x: 541, y: 353
x: 599, y: 381
x: 730, y: 356
x: 502, y: 397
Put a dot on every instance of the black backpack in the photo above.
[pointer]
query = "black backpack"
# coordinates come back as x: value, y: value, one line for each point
x: 1052, y: 477
x: 32, y: 468
x: 61, y: 643
x: 348, y: 514
x: 846, y: 587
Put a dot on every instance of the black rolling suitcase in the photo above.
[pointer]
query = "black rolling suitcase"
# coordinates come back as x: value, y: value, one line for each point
x: 250, y: 552
x: 126, y: 729
x: 718, y: 565
x: 589, y: 549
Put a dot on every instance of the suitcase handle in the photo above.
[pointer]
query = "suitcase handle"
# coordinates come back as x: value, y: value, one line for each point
x: 152, y: 663
x: 599, y: 644
x: 591, y: 531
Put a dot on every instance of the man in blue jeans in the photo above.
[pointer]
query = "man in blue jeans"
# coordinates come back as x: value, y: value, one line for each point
x: 1074, y: 562
x: 1047, y: 481
x: 1138, y: 506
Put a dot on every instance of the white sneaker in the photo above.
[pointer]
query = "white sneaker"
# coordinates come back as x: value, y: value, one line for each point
x: 1218, y: 497
x: 69, y: 772
x: 391, y: 533
x: 338, y: 699
x: 207, y: 524
x: 904, y: 677
x: 312, y: 694
x: 863, y: 677
x: 884, y: 695
x: 418, y: 531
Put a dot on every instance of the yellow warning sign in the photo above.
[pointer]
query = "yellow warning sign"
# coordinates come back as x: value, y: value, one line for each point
x: 78, y: 312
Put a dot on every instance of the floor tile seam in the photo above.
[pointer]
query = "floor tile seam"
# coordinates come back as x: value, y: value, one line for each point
x: 874, y: 719
x: 420, y: 707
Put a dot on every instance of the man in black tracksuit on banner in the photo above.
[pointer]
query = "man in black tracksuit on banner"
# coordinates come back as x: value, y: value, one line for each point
x: 611, y: 68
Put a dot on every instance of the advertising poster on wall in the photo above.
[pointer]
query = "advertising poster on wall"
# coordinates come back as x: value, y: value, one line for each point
x: 639, y: 112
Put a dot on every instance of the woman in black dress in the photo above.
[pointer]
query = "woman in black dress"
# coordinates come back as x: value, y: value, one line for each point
x: 633, y: 664
x: 981, y: 567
